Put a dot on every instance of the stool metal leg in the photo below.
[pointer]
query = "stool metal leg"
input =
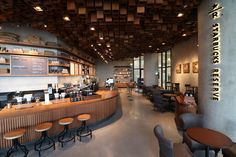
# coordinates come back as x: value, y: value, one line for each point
x: 64, y: 133
x: 15, y: 146
x: 43, y: 139
x: 84, y: 131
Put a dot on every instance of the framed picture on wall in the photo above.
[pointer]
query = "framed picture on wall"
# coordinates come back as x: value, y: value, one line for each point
x: 195, y: 67
x: 186, y: 67
x: 178, y: 68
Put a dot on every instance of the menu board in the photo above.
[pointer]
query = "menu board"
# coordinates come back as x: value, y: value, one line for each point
x: 29, y: 65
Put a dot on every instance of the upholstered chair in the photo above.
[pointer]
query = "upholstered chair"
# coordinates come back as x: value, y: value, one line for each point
x: 169, y: 149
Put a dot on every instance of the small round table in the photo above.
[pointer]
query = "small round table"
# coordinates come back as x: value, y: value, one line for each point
x: 169, y: 96
x: 209, y: 138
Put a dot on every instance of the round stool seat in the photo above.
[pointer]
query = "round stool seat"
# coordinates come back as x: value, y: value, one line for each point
x: 43, y: 127
x: 84, y: 117
x: 14, y: 134
x: 65, y: 121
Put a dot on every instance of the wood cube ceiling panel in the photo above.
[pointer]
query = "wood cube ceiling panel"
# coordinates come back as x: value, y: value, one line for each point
x: 129, y: 27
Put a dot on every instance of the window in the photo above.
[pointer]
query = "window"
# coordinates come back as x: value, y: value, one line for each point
x: 164, y: 68
x: 138, y: 68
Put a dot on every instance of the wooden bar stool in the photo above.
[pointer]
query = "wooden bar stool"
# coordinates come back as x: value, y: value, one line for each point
x: 14, y: 136
x: 84, y: 130
x: 45, y: 142
x: 63, y: 136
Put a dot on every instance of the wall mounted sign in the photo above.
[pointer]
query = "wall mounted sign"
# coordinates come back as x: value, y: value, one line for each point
x: 29, y: 65
x: 215, y: 14
x: 195, y: 67
x: 186, y: 68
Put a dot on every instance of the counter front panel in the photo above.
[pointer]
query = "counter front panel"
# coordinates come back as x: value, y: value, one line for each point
x: 28, y: 118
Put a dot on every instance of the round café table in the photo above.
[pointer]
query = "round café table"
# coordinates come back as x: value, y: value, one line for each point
x: 209, y: 138
x: 169, y: 96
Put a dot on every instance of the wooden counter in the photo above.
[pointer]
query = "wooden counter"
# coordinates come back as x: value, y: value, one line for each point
x: 28, y: 118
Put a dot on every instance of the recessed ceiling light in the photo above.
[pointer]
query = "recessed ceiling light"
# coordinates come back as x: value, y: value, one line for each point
x: 197, y: 45
x: 150, y: 46
x: 163, y: 43
x: 99, y: 44
x: 92, y: 28
x: 184, y: 35
x: 109, y: 49
x: 180, y: 15
x: 38, y: 8
x: 66, y: 18
x: 101, y: 38
x: 158, y: 49
x: 45, y: 26
x: 108, y: 45
x: 91, y: 45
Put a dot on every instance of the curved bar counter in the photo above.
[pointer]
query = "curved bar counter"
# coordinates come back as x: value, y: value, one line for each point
x: 28, y: 118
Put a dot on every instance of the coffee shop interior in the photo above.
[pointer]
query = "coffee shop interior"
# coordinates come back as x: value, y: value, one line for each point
x: 109, y: 78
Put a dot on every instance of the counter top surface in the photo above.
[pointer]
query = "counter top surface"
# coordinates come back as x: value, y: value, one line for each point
x: 54, y: 104
x: 100, y: 107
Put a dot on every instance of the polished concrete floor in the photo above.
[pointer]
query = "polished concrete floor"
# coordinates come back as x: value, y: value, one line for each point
x: 128, y: 133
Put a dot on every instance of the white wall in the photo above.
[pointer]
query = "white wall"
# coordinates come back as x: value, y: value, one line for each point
x: 103, y: 70
x: 185, y: 52
x: 8, y: 84
x: 69, y: 79
x: 22, y: 83
x: 25, y: 83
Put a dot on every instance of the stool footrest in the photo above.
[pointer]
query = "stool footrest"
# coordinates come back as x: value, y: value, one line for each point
x: 40, y: 145
x: 84, y: 131
x: 63, y: 136
x: 15, y: 146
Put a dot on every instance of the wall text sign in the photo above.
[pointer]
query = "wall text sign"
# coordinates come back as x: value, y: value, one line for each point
x: 215, y: 14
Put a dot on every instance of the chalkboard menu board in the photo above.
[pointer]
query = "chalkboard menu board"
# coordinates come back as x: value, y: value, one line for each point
x: 29, y: 65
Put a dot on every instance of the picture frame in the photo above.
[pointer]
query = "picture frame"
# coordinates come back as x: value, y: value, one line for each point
x: 186, y: 67
x: 178, y: 68
x: 195, y: 67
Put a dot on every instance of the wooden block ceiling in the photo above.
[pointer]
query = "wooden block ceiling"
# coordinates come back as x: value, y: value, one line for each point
x: 123, y: 28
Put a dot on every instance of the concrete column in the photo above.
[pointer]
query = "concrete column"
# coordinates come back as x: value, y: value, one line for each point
x: 150, y: 69
x: 217, y: 65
